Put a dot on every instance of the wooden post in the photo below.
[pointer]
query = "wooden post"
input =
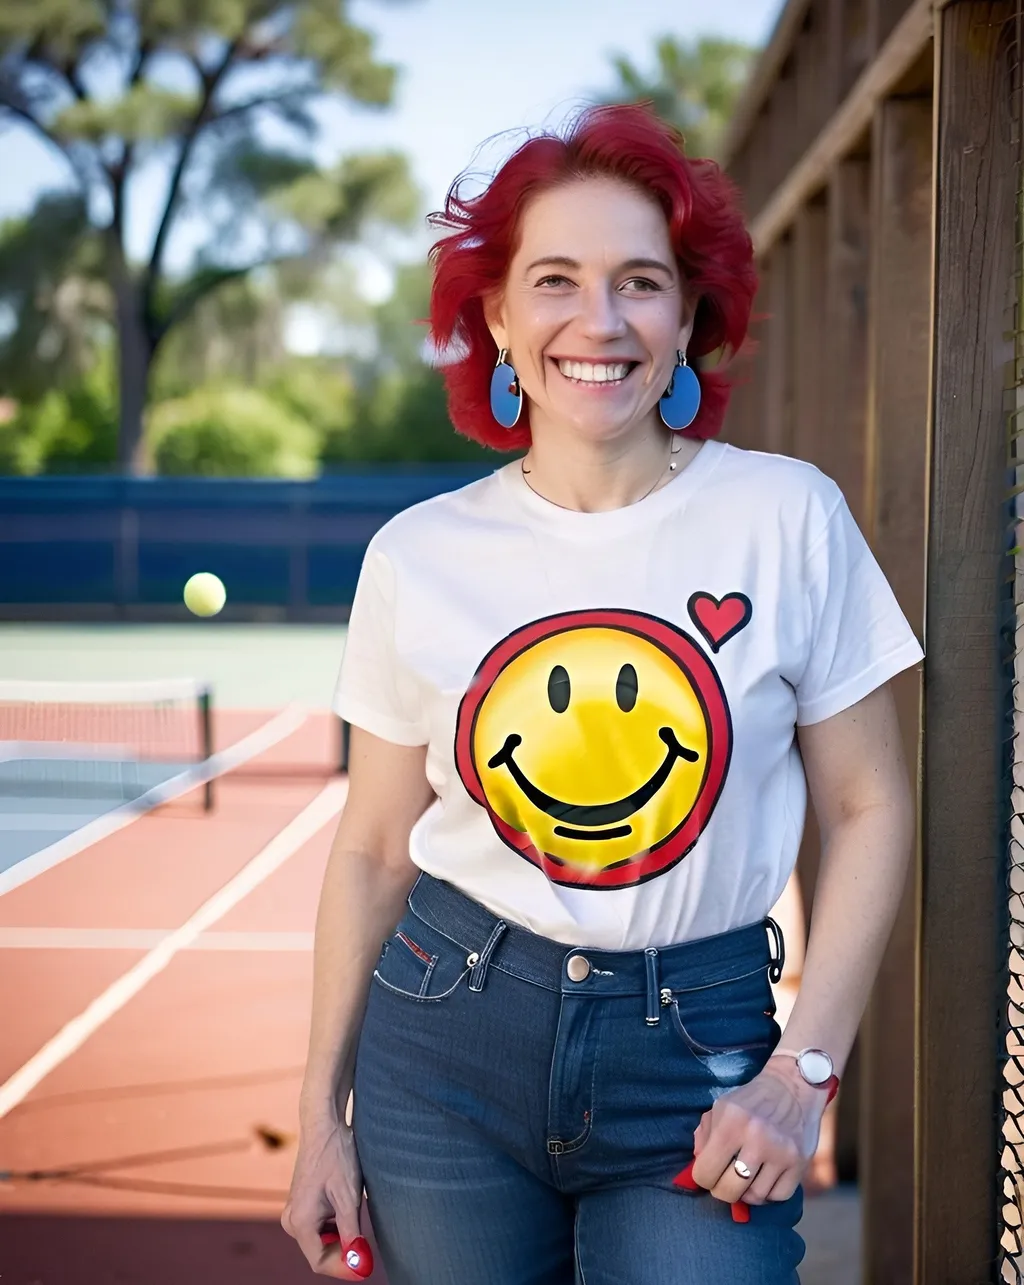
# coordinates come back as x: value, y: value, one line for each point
x: 894, y: 523
x: 965, y: 795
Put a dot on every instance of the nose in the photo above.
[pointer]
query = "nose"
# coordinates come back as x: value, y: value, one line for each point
x: 602, y: 318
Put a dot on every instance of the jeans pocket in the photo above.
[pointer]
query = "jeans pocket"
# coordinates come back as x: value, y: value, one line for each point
x: 418, y: 963
x: 729, y: 1027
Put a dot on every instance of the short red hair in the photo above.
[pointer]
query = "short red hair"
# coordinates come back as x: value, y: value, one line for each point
x: 629, y: 143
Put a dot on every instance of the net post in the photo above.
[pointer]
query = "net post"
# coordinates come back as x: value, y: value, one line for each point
x: 206, y: 740
x: 344, y: 732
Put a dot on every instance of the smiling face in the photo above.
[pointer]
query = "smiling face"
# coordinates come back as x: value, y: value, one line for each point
x: 593, y: 308
x: 598, y: 743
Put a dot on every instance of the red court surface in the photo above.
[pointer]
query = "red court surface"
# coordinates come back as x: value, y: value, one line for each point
x: 159, y: 1151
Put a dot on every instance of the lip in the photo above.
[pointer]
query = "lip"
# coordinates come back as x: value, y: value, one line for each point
x: 603, y: 360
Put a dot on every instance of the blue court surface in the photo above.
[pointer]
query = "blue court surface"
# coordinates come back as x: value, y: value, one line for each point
x: 44, y: 800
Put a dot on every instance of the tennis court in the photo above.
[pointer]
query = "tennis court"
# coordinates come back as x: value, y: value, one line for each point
x: 156, y: 960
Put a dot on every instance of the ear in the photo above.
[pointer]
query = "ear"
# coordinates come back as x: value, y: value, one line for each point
x: 494, y: 316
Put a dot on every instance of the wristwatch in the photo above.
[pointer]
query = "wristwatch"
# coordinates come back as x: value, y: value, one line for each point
x: 816, y: 1068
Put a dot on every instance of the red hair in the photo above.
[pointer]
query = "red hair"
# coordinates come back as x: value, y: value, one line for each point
x: 628, y: 143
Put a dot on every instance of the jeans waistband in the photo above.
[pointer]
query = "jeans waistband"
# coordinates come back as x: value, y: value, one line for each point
x: 491, y: 942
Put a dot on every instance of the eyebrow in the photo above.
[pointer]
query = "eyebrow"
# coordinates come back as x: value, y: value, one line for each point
x: 563, y: 261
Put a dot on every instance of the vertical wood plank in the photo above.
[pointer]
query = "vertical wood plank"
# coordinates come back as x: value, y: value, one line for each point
x: 883, y: 15
x: 776, y: 353
x: 810, y: 268
x: 962, y: 899
x: 841, y: 449
x: 894, y: 523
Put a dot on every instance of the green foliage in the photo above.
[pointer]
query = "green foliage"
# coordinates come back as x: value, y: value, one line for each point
x: 403, y: 420
x: 694, y: 86
x: 52, y: 292
x: 143, y: 112
x: 71, y: 430
x: 230, y: 432
x: 224, y: 91
x: 321, y: 393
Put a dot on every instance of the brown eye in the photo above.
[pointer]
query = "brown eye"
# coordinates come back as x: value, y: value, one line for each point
x: 626, y: 688
x: 558, y: 689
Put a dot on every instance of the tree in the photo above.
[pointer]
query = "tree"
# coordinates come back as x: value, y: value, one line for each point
x: 694, y: 86
x: 222, y: 93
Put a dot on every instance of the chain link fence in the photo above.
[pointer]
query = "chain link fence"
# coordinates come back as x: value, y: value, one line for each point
x: 1011, y: 1222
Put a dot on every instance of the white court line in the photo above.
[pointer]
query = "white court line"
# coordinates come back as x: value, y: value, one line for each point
x: 324, y: 808
x: 280, y: 726
x: 146, y: 939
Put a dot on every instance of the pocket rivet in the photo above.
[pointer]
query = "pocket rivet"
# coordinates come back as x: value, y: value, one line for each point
x: 472, y: 960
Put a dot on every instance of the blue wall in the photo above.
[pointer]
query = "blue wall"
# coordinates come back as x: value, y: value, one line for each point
x: 110, y: 547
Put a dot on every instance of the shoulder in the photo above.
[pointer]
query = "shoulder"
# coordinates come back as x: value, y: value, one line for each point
x: 450, y: 516
x: 798, y: 494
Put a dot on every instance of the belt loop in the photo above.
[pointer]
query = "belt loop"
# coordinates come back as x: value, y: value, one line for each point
x: 653, y: 989
x: 479, y: 973
x: 778, y: 958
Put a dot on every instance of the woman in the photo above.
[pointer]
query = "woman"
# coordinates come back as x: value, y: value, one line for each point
x: 584, y: 693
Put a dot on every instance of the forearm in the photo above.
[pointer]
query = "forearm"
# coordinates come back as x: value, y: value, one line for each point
x: 362, y: 900
x: 860, y: 882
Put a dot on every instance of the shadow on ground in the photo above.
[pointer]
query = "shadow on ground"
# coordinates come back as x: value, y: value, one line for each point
x: 48, y: 1250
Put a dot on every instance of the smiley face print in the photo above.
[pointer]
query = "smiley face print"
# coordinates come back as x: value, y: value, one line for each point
x: 598, y: 741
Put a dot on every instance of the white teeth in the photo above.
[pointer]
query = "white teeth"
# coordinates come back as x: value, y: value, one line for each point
x: 594, y: 372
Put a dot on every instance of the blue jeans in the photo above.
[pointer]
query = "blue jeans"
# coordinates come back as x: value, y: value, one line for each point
x: 521, y: 1108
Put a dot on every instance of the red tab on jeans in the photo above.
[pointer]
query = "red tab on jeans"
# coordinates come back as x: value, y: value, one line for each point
x: 418, y: 951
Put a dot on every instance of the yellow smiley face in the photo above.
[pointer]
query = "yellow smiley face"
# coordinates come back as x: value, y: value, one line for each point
x: 598, y: 743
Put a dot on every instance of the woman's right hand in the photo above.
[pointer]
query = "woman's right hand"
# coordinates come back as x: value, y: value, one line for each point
x: 326, y: 1184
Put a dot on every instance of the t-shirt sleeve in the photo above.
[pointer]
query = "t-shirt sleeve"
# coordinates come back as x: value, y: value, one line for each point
x: 859, y: 637
x: 375, y: 690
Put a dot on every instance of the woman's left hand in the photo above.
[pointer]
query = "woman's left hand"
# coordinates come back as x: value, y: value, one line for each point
x: 770, y: 1124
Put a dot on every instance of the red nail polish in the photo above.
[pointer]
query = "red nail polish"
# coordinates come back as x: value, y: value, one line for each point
x: 329, y: 1233
x: 358, y: 1257
x: 684, y: 1178
x: 740, y: 1212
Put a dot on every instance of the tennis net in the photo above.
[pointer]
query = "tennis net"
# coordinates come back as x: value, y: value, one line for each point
x: 108, y: 738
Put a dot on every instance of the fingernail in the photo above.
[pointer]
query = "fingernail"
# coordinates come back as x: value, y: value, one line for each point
x: 684, y: 1178
x: 329, y: 1233
x: 358, y: 1257
x: 740, y: 1212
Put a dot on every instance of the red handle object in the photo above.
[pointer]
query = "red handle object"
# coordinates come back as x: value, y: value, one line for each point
x: 739, y: 1209
x: 356, y: 1255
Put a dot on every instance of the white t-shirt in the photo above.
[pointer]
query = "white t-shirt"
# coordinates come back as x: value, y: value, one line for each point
x: 609, y: 700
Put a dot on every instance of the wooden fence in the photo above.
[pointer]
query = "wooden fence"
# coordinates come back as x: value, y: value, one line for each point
x: 877, y: 149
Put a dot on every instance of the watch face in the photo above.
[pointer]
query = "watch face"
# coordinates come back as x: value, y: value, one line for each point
x: 815, y: 1066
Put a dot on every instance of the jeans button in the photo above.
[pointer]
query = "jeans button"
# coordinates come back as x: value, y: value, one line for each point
x: 578, y: 968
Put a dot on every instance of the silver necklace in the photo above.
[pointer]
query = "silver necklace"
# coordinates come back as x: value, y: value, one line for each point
x: 674, y: 450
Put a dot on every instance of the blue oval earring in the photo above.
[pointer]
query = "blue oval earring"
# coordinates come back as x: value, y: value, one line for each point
x: 681, y: 400
x: 506, y: 394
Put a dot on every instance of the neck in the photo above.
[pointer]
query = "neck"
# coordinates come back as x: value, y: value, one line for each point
x: 593, y: 477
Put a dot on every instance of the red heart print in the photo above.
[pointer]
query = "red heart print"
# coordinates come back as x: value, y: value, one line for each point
x: 719, y: 619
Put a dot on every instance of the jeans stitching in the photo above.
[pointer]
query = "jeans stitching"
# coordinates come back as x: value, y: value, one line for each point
x: 422, y: 999
x: 697, y: 1047
x: 576, y: 1253
x: 724, y: 981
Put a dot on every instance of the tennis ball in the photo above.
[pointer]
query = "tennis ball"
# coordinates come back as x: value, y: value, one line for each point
x: 204, y: 594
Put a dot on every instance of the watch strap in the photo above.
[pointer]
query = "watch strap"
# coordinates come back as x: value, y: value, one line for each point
x: 831, y: 1085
